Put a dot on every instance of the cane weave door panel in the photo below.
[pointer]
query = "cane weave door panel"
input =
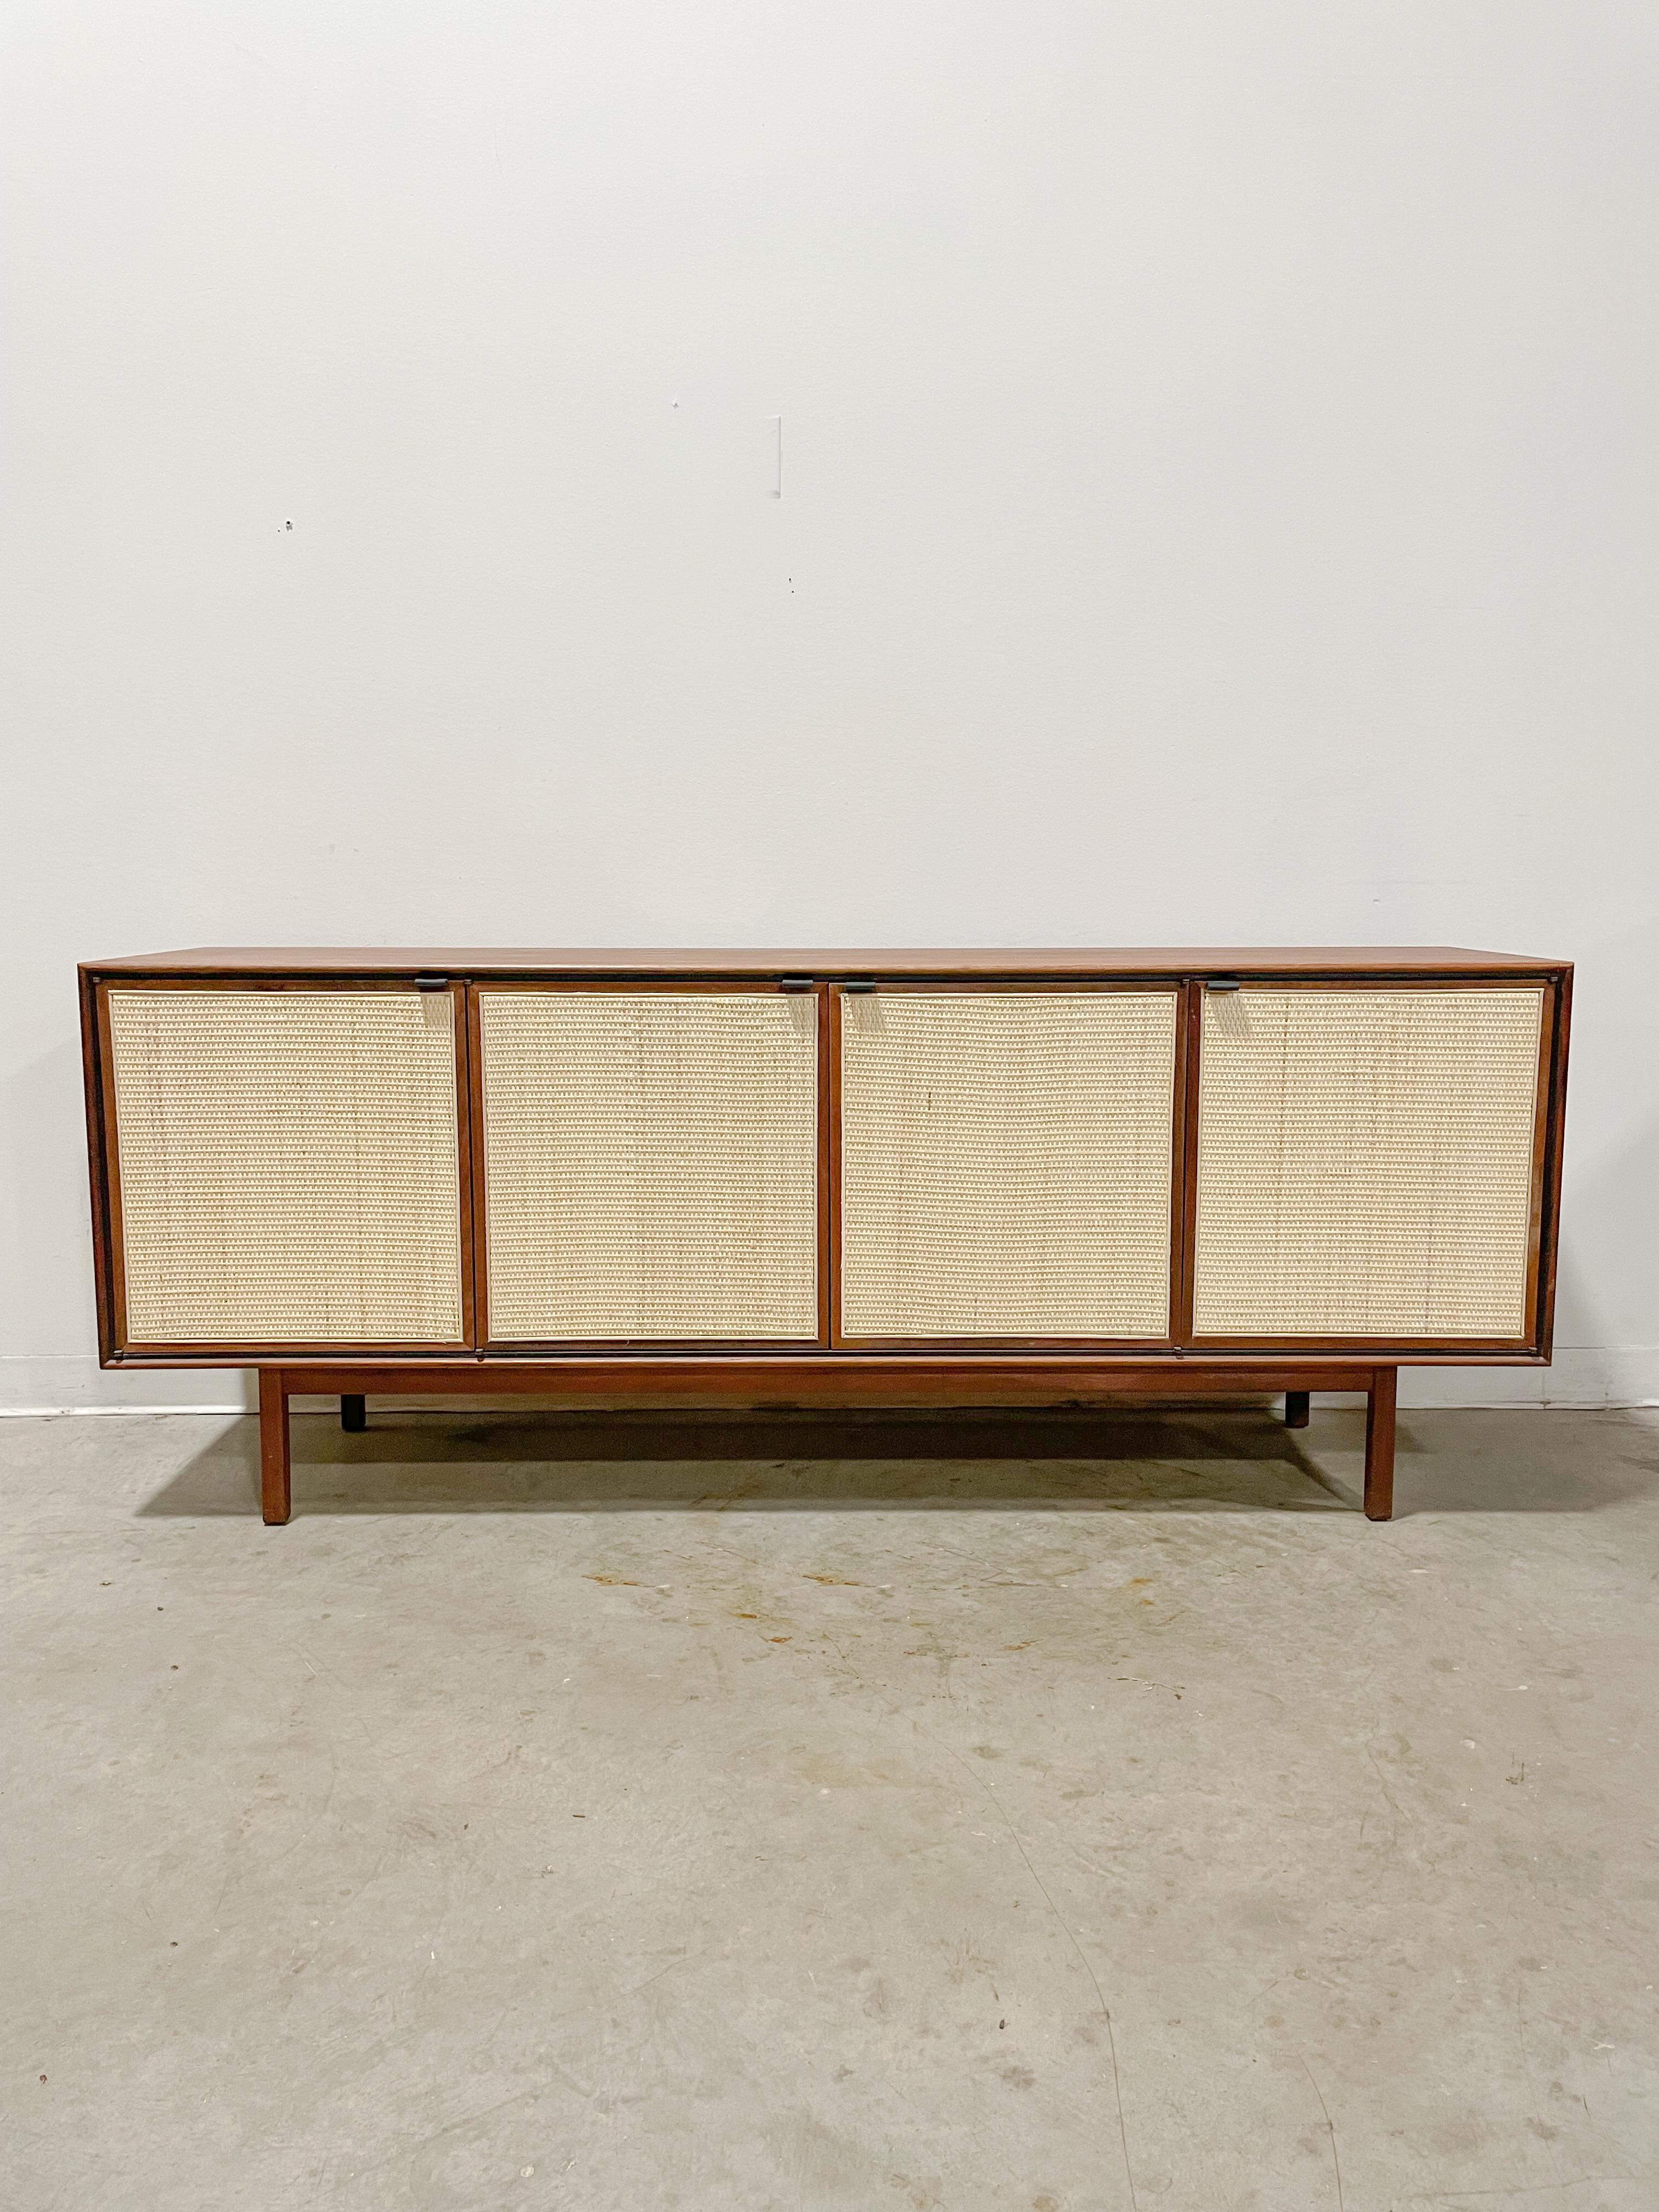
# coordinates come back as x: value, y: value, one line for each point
x: 287, y: 1163
x: 1367, y: 1162
x: 650, y: 1166
x: 1007, y: 1163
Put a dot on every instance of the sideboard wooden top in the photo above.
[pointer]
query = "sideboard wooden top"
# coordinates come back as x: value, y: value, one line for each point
x: 1066, y: 960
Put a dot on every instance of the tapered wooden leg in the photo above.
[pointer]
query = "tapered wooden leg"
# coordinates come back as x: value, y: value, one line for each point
x: 1296, y: 1409
x: 354, y: 1415
x: 276, y: 1494
x: 1379, y: 1445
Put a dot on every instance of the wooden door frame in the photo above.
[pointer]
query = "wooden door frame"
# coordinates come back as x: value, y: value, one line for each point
x: 1172, y: 987
x: 109, y: 1265
x: 787, y: 985
x: 1548, y: 1112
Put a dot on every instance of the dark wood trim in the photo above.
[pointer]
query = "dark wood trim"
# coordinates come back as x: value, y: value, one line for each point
x: 1405, y: 1350
x: 1131, y: 1347
x: 91, y: 1068
x: 1554, y: 1149
x: 1177, y: 1359
x: 276, y: 1478
x: 829, y: 1004
x: 1296, y: 1409
x: 1383, y: 979
x: 258, y: 980
x: 1379, y: 1445
x: 197, y: 1352
x: 205, y: 1354
x: 1539, y: 1172
x: 667, y: 985
x: 605, y: 1347
x: 828, y: 1378
x: 1186, y: 1163
x: 465, y: 1153
x: 499, y: 963
x: 663, y: 985
x: 1535, y: 1339
x: 1036, y: 986
x: 112, y: 1149
x: 480, y: 1197
x: 1014, y: 987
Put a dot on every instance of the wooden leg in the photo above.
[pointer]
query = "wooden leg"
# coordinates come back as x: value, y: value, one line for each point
x: 1296, y: 1409
x: 276, y: 1494
x: 1379, y: 1445
x: 354, y: 1415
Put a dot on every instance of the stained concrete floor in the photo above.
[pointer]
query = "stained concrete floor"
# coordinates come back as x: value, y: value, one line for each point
x: 1014, y: 1814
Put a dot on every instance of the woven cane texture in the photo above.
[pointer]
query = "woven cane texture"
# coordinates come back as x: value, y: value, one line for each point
x: 650, y: 1164
x: 1006, y: 1163
x: 1366, y: 1162
x: 289, y: 1166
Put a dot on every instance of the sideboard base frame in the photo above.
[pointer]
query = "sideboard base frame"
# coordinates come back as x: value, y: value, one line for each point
x: 842, y: 1380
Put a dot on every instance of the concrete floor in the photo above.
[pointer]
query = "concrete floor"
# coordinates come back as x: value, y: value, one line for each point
x: 1016, y: 1814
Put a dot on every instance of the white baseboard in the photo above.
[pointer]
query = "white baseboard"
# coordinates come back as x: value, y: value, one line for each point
x: 1604, y: 1377
x: 75, y: 1383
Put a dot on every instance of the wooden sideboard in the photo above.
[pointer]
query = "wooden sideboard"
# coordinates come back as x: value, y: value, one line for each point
x: 825, y: 1178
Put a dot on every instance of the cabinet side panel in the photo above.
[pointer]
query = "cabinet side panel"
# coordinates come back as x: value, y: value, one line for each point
x: 1366, y: 1163
x: 93, y: 1062
x: 651, y: 1166
x: 1007, y: 1163
x: 288, y: 1168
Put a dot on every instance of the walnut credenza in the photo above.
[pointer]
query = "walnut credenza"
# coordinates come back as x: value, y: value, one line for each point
x: 825, y: 1178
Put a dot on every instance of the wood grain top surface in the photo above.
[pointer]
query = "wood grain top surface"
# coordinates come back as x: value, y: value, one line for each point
x: 459, y: 961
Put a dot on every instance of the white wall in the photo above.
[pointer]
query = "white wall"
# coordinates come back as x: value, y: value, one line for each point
x: 1220, y: 503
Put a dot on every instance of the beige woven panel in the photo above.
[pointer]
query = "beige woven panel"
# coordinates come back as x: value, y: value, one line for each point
x: 1006, y: 1163
x: 1366, y: 1162
x: 651, y: 1165
x: 288, y: 1168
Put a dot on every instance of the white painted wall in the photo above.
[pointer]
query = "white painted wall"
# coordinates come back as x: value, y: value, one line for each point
x: 1220, y: 503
